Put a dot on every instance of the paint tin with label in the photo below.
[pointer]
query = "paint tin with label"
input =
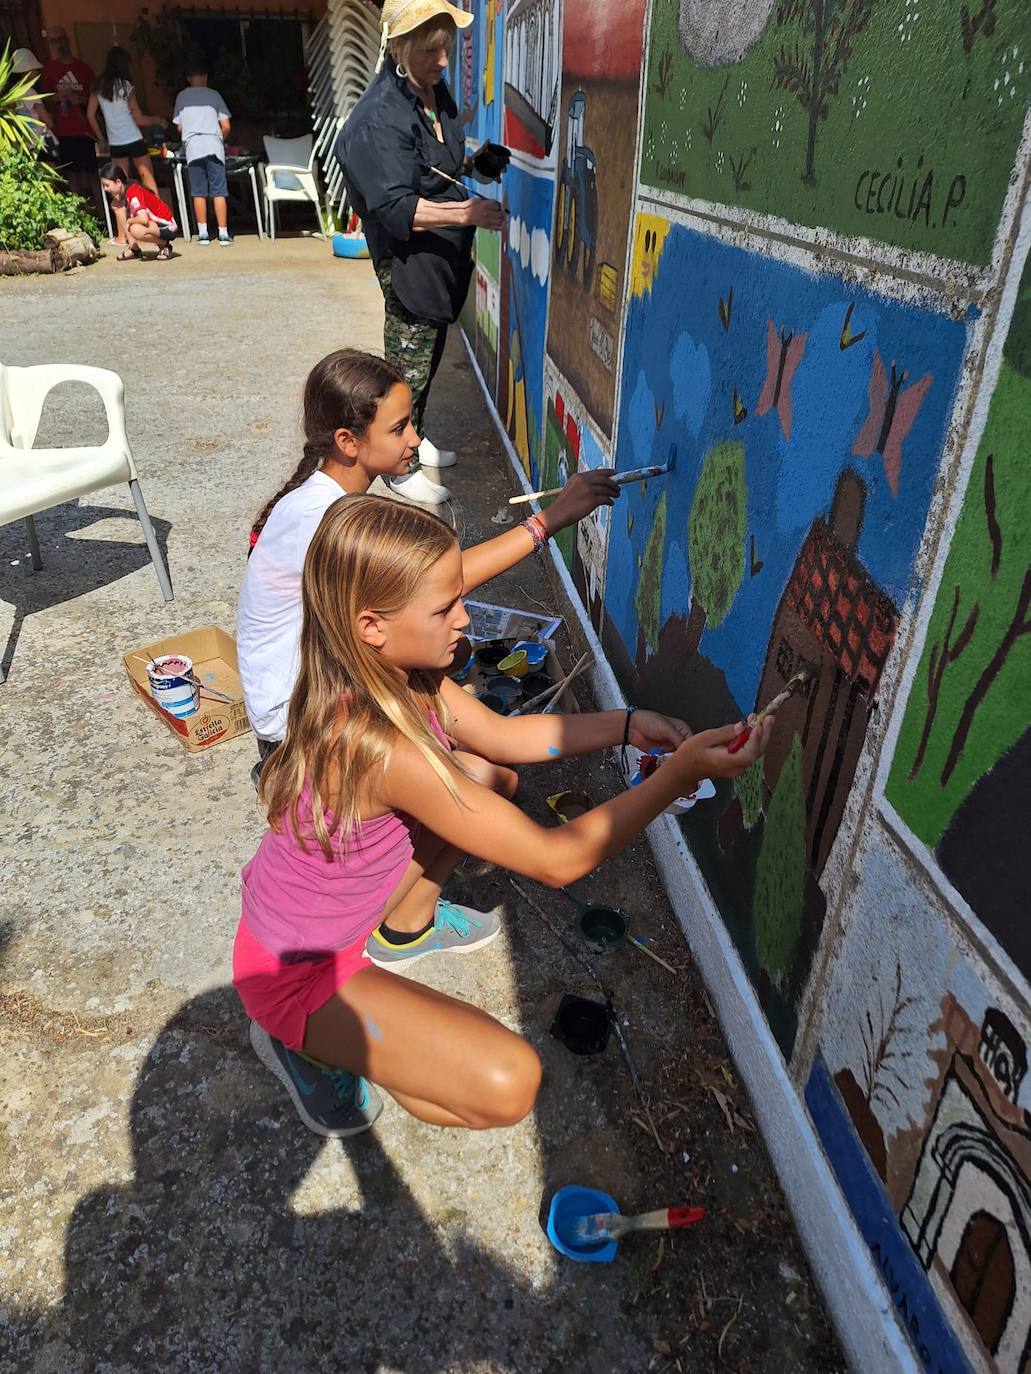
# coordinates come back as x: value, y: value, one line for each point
x: 172, y: 686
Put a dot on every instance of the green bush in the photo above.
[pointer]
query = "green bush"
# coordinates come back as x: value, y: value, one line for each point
x: 33, y: 201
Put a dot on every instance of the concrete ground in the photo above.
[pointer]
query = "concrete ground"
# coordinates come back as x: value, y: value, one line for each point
x: 161, y: 1207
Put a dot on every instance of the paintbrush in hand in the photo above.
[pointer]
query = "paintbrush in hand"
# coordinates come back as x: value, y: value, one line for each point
x: 793, y: 683
x: 600, y: 1226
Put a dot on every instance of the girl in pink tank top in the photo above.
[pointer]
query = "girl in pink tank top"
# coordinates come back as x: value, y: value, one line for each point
x: 387, y: 774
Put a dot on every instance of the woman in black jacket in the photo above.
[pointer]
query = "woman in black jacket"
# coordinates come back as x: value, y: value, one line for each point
x: 401, y: 137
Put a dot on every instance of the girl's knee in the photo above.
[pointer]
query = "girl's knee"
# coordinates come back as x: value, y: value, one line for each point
x: 510, y: 1086
x: 507, y: 784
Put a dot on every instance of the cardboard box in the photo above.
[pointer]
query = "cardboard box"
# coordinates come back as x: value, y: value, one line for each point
x: 215, y: 664
x: 477, y: 677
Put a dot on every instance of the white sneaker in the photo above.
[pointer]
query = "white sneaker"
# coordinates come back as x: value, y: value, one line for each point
x: 433, y: 457
x: 416, y: 486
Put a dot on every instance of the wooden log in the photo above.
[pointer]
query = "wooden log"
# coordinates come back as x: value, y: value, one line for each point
x: 70, y: 249
x: 21, y: 260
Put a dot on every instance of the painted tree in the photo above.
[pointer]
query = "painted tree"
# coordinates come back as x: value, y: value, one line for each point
x: 749, y: 789
x: 780, y: 873
x: 716, y: 538
x: 649, y: 584
x: 812, y: 68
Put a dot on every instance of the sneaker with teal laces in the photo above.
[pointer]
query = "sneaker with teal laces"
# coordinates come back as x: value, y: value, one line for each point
x: 455, y: 930
x: 329, y: 1101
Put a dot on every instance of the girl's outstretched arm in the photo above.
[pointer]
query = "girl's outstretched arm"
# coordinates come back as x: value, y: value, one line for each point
x: 584, y: 492
x: 536, y: 739
x: 479, y: 822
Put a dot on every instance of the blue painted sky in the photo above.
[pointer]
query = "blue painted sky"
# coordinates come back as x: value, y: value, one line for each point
x: 677, y: 356
x: 529, y: 201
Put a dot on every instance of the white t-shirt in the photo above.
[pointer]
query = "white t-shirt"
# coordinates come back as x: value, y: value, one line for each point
x: 121, y: 128
x: 268, y: 627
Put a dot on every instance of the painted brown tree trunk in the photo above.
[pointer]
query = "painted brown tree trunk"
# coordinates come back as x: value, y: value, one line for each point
x: 1019, y: 625
x: 695, y: 626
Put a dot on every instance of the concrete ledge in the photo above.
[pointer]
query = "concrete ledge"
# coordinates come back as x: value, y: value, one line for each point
x: 860, y: 1306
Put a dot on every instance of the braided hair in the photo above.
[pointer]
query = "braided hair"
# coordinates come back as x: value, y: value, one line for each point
x: 343, y: 391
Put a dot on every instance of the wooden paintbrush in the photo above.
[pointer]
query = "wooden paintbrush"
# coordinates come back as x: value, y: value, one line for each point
x: 600, y: 1226
x: 793, y: 683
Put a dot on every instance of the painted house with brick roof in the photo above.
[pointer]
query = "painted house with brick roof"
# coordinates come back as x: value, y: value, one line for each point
x: 835, y: 617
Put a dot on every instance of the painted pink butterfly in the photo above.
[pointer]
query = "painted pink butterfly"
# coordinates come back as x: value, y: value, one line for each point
x: 783, y: 355
x: 892, y: 412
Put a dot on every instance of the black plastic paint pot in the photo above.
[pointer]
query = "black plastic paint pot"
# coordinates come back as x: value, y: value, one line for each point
x: 581, y: 1025
x: 604, y: 928
x: 489, y: 655
x: 492, y: 701
x: 535, y: 683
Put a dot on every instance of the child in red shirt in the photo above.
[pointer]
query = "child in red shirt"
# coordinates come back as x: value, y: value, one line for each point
x: 142, y: 216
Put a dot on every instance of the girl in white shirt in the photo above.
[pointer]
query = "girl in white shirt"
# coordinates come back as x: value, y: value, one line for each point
x: 114, y: 97
x: 357, y: 426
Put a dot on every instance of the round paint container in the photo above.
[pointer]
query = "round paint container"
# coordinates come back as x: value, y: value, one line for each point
x: 604, y: 928
x: 535, y: 653
x: 535, y: 683
x: 507, y: 688
x: 515, y: 665
x: 492, y: 702
x: 581, y: 1025
x: 489, y: 655
x: 567, y: 1207
x: 170, y: 685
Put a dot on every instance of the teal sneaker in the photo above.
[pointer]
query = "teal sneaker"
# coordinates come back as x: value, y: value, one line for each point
x: 455, y: 930
x: 329, y: 1101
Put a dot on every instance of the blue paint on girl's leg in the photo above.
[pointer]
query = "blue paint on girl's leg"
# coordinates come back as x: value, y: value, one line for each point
x: 373, y: 1029
x: 553, y: 751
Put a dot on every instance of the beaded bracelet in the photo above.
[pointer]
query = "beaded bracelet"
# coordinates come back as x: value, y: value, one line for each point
x: 537, y: 530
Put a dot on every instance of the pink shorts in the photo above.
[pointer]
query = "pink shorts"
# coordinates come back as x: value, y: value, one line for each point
x: 281, y: 996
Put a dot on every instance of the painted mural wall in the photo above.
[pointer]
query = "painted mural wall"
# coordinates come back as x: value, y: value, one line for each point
x: 782, y: 245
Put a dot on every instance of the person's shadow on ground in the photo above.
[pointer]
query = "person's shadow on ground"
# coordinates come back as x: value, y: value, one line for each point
x: 199, y: 1263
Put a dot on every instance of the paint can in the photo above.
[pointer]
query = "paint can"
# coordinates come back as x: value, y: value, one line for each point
x: 536, y: 682
x: 507, y: 688
x: 581, y: 1025
x: 489, y: 655
x: 603, y: 928
x: 535, y: 653
x: 492, y: 702
x: 515, y: 665
x: 655, y: 758
x: 172, y: 685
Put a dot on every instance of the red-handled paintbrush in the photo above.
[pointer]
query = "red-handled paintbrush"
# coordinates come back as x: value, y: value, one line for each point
x: 601, y: 1226
x: 739, y: 741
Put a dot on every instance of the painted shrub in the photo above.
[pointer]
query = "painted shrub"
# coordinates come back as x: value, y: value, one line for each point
x: 818, y: 113
x: 809, y: 417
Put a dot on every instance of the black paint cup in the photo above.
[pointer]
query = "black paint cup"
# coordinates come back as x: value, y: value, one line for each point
x: 535, y: 683
x: 604, y: 928
x: 489, y: 655
x: 494, y: 702
x: 581, y: 1025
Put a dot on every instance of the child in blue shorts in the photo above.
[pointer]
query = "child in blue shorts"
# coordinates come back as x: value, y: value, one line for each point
x: 203, y: 121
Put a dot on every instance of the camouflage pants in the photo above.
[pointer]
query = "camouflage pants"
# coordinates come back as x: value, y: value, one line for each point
x: 414, y: 346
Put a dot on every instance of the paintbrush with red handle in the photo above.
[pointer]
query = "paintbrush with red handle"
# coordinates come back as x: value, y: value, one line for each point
x: 739, y: 741
x: 613, y: 1225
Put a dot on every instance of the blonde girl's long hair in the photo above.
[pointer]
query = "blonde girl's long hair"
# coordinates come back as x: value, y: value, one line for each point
x: 349, y: 704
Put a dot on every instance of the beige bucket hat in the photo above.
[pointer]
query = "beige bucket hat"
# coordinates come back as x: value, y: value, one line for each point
x: 402, y: 16
x: 24, y: 60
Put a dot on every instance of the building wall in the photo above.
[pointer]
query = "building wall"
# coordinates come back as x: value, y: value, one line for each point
x: 785, y: 251
x: 93, y: 30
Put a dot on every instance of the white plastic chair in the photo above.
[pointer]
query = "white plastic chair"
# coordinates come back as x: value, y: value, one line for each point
x: 35, y: 479
x: 290, y: 175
